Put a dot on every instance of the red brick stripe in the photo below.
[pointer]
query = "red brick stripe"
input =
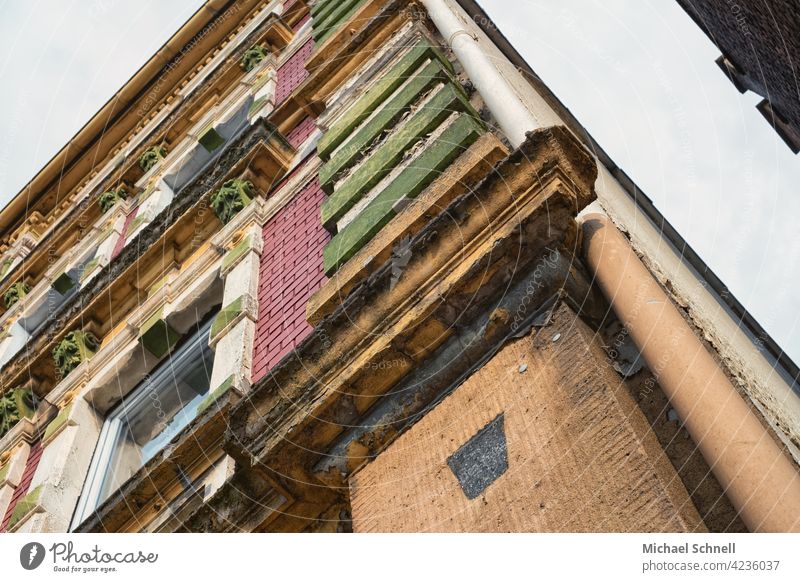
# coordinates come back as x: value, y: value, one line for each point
x: 291, y: 271
x: 121, y: 240
x: 301, y: 132
x: 293, y: 72
x: 25, y: 483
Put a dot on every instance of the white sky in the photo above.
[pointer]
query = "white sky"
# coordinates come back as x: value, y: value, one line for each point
x: 638, y: 74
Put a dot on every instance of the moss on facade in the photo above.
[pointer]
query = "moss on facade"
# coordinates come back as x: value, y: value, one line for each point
x: 409, y: 183
x: 389, y: 153
x: 236, y: 253
x: 16, y: 292
x: 377, y: 94
x: 231, y: 199
x: 152, y: 156
x: 76, y: 347
x: 14, y: 406
x: 226, y: 315
x: 215, y: 394
x: 24, y: 506
x: 253, y: 56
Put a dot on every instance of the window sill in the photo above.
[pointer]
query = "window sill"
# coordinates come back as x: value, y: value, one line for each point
x: 150, y: 490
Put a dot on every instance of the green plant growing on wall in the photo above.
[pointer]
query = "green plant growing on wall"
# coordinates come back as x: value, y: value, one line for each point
x: 5, y: 266
x: 231, y: 198
x: 110, y: 198
x: 15, y: 405
x: 152, y: 156
x: 16, y: 292
x: 76, y: 347
x: 252, y: 56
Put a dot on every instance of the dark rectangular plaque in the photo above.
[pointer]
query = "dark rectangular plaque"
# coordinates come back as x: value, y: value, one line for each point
x: 482, y: 459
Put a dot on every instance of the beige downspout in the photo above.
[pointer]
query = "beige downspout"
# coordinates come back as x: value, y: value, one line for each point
x: 761, y: 482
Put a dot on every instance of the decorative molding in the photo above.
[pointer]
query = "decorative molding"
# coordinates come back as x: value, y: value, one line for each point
x: 473, y: 164
x: 439, y: 153
x: 459, y: 264
x: 109, y: 199
x: 343, y: 52
x: 231, y: 198
x: 396, y: 73
x: 429, y: 117
x: 75, y: 348
x: 253, y: 56
x: 194, y: 450
x: 14, y: 406
x: 15, y: 292
x: 260, y: 149
x: 25, y: 431
x: 151, y: 157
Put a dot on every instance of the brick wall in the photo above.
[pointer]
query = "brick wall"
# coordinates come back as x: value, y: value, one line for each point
x: 299, y: 24
x: 302, y: 132
x: 293, y: 72
x: 291, y: 270
x: 763, y: 40
x: 121, y: 240
x: 24, y: 484
x: 573, y: 452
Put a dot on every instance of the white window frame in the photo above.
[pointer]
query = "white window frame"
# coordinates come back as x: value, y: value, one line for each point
x: 106, y: 444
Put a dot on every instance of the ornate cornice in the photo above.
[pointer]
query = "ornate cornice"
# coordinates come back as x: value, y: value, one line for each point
x: 466, y: 271
x: 260, y: 147
x: 274, y: 30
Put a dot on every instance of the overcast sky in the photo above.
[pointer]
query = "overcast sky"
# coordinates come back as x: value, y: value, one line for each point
x: 638, y: 74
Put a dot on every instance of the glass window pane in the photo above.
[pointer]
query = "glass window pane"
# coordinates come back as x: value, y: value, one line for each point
x: 163, y: 404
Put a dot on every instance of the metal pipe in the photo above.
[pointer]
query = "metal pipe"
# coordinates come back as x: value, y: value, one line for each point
x: 509, y: 111
x: 758, y: 478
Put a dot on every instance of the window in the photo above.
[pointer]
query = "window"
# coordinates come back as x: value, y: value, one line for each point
x: 151, y: 415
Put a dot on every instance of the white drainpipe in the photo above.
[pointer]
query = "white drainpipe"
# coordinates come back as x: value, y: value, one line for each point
x: 506, y: 106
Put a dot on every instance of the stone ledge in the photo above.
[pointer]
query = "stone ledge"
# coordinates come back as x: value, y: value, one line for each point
x: 25, y: 507
x: 461, y: 261
x: 236, y: 383
x: 392, y: 112
x: 447, y: 101
x: 230, y: 315
x: 149, y: 490
x: 57, y: 425
x: 477, y: 161
x: 234, y: 256
x: 405, y: 187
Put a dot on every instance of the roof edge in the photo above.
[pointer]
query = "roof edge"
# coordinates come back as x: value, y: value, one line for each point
x: 639, y: 198
x: 109, y: 114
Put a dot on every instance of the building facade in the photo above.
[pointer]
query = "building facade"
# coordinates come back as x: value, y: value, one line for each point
x: 760, y: 51
x: 349, y: 265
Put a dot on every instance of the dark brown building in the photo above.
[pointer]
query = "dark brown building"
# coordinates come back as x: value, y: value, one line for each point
x: 760, y: 44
